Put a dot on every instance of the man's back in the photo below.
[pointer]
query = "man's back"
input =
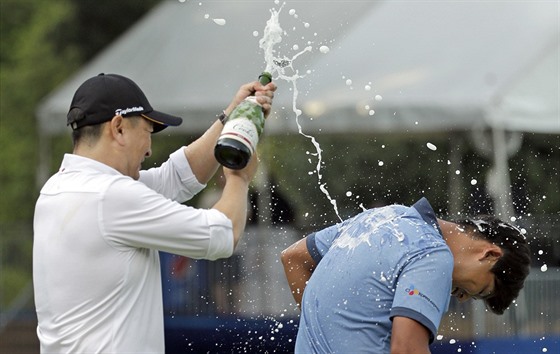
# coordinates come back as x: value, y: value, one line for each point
x: 372, y: 262
x: 90, y: 291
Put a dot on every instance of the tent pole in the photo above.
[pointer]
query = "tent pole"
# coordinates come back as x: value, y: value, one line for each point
x: 43, y: 170
x: 454, y: 184
x: 261, y: 182
x: 501, y: 184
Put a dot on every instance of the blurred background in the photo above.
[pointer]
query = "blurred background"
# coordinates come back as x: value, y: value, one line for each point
x: 455, y: 101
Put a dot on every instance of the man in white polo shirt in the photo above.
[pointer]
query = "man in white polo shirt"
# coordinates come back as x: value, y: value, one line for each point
x: 100, y: 221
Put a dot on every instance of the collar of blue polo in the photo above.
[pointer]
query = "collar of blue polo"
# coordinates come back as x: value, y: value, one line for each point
x: 427, y: 212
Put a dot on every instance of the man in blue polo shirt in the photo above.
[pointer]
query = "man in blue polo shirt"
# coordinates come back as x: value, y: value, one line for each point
x: 381, y: 281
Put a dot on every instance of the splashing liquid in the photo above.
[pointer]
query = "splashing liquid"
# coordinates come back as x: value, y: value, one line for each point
x: 277, y: 67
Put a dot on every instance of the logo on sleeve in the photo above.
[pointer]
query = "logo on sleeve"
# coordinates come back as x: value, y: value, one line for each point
x: 412, y: 291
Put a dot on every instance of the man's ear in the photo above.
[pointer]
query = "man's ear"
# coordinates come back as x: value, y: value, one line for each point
x: 491, y: 253
x: 116, y: 126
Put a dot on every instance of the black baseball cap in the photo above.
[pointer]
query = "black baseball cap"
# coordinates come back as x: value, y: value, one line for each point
x: 104, y: 96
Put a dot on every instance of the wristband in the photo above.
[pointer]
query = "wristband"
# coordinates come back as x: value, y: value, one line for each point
x: 223, y: 117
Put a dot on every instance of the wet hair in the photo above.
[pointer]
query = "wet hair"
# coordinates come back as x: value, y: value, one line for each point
x: 512, y: 268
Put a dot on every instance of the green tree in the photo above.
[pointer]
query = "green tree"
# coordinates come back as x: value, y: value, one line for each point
x: 42, y: 44
x: 30, y: 67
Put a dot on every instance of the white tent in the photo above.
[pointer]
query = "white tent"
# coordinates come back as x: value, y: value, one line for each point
x: 434, y: 65
x: 437, y: 64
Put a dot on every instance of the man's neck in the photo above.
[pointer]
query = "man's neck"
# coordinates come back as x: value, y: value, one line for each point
x: 100, y: 152
x: 453, y: 235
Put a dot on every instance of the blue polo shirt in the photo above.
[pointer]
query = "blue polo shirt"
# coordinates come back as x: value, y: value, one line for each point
x: 384, y: 262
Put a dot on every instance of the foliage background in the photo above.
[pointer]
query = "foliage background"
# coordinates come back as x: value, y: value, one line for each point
x: 44, y: 42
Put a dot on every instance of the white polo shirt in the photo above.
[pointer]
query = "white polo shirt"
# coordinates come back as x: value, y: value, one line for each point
x: 96, y: 268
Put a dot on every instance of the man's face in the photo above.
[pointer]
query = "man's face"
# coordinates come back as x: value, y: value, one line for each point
x: 472, y: 278
x: 139, y: 141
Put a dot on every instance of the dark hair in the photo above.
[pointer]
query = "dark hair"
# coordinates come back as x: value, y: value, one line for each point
x: 88, y: 132
x: 512, y: 268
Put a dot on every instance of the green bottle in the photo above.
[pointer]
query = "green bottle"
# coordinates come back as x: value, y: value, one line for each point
x: 240, y: 135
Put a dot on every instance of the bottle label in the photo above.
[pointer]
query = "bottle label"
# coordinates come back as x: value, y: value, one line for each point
x: 243, y: 130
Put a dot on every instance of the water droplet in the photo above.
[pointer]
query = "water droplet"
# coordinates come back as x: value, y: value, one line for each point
x: 348, y: 82
x: 255, y: 33
x: 431, y: 146
x: 367, y: 88
x: 544, y: 268
x: 348, y: 194
x: 380, y: 163
x: 378, y: 97
x: 219, y: 21
x: 324, y: 49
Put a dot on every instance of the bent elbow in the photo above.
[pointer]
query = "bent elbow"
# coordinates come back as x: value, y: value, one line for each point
x: 284, y: 257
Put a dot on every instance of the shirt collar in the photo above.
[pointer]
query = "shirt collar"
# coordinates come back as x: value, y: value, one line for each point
x: 425, y: 210
x: 72, y: 162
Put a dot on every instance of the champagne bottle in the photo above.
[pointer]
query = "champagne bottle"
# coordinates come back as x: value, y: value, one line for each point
x: 241, y: 132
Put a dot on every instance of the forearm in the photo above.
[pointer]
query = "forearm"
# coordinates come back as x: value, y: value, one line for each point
x: 233, y: 204
x: 297, y: 280
x: 200, y: 153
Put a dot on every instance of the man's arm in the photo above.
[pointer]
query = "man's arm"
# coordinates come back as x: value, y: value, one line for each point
x: 200, y: 153
x: 233, y: 202
x: 298, y: 266
x: 409, y: 336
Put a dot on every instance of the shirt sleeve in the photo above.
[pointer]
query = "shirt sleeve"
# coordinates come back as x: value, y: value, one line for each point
x: 174, y: 179
x: 424, y: 289
x: 318, y: 243
x: 133, y: 215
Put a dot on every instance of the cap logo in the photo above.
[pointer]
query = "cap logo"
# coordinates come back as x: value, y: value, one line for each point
x: 120, y: 112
